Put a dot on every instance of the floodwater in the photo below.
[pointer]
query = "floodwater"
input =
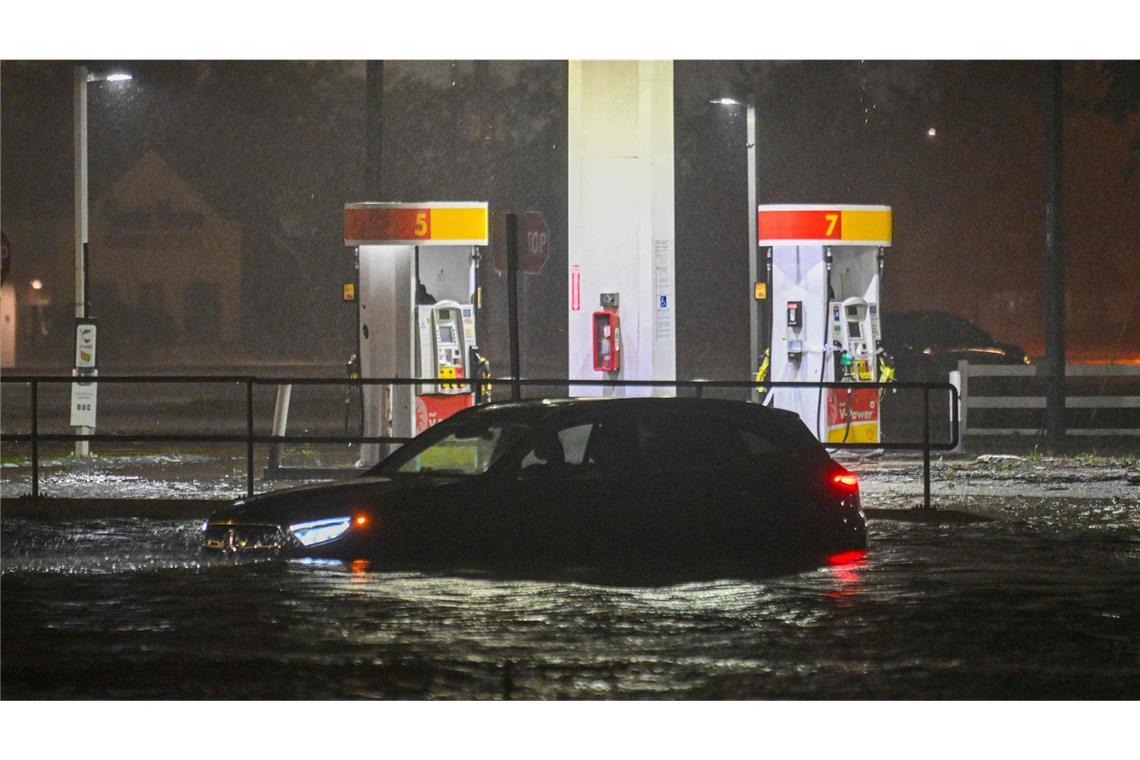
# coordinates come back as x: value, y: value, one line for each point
x: 1044, y: 602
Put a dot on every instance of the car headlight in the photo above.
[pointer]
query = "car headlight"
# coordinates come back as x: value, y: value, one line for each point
x: 320, y: 531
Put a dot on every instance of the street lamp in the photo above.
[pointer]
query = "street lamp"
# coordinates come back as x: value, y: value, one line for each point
x: 83, y: 77
x: 754, y: 311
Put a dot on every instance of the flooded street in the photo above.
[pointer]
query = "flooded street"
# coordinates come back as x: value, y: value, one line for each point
x: 1044, y: 602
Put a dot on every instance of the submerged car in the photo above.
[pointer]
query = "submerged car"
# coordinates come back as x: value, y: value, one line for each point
x: 574, y: 486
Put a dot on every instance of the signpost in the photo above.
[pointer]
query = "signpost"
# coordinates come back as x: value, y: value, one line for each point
x: 521, y: 243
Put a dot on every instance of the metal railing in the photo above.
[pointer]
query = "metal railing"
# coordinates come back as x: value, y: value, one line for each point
x: 250, y: 438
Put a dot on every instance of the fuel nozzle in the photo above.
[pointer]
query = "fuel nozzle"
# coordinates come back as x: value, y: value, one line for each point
x: 846, y: 362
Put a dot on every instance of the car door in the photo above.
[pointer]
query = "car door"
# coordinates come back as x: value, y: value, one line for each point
x: 778, y: 480
x: 565, y: 483
x: 688, y: 486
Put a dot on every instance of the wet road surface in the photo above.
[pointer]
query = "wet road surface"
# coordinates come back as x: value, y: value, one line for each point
x: 1042, y: 603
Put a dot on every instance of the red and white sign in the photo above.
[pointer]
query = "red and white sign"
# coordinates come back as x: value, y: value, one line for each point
x: 533, y: 242
x: 575, y: 288
x: 852, y: 415
x: 434, y: 408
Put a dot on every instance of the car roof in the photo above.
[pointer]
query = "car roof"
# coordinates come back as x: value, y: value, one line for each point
x: 542, y: 408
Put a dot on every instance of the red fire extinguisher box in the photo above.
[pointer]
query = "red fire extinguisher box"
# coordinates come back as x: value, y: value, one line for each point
x: 607, y: 341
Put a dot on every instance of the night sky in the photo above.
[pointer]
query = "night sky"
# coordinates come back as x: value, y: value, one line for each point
x: 279, y: 147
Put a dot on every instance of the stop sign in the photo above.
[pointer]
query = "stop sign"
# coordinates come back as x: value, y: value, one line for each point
x: 5, y: 257
x: 533, y: 242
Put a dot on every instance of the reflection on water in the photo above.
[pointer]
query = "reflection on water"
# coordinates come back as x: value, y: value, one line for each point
x: 1042, y: 603
x: 845, y: 568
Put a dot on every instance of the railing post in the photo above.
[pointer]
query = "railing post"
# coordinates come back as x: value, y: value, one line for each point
x: 475, y: 381
x: 35, y: 439
x: 963, y: 404
x: 955, y: 411
x: 926, y: 447
x: 249, y: 436
x: 281, y: 424
x: 512, y: 246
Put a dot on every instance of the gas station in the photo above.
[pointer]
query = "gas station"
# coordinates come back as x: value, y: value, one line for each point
x: 826, y: 266
x: 417, y: 268
x: 608, y: 521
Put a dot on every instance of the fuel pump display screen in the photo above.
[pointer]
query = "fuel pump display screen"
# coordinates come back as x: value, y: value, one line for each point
x: 446, y: 334
x: 854, y: 328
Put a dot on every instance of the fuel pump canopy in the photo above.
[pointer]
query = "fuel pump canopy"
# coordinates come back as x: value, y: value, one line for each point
x: 826, y: 269
x: 416, y: 279
x: 432, y: 222
x: 783, y: 225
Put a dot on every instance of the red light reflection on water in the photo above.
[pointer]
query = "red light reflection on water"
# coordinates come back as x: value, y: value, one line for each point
x: 359, y: 569
x: 845, y: 568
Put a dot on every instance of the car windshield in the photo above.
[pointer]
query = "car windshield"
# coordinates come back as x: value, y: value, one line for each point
x: 467, y: 449
x: 933, y: 328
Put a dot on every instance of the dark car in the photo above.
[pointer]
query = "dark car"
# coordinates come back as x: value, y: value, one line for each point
x: 927, y: 345
x: 575, y: 486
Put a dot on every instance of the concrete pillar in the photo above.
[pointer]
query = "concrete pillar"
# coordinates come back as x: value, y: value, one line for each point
x: 621, y: 216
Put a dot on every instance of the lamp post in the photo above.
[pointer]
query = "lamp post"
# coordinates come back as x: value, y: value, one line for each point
x: 83, y: 77
x: 755, y: 316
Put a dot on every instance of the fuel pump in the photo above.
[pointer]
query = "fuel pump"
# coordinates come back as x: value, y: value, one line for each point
x: 417, y: 310
x: 445, y: 337
x: 824, y: 285
x: 855, y: 339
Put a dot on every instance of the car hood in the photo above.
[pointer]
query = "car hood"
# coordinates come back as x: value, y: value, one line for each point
x: 311, y: 502
x: 988, y: 353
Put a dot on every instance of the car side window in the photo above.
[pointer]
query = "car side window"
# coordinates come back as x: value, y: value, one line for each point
x: 559, y: 447
x: 670, y: 441
x: 612, y: 444
x: 757, y: 447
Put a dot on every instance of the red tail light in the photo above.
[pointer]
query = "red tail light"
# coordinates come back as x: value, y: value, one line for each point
x: 845, y: 481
